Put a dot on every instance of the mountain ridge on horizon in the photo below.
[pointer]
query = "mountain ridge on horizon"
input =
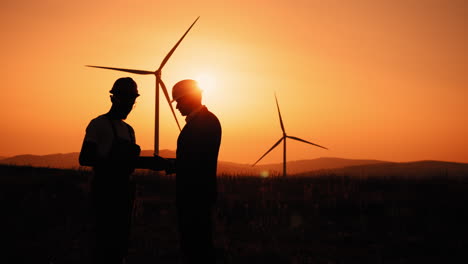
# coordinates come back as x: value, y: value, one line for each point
x: 297, y: 167
x: 70, y: 160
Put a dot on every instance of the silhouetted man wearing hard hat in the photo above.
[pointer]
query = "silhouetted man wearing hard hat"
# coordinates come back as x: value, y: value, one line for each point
x: 196, y: 164
x: 109, y: 146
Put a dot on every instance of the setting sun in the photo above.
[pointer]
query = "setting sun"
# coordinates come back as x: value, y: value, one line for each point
x: 207, y: 82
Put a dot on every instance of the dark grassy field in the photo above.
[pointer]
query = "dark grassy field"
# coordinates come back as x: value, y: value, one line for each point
x: 323, y: 218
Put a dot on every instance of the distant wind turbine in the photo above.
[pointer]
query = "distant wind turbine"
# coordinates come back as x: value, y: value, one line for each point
x: 159, y: 83
x: 283, y: 138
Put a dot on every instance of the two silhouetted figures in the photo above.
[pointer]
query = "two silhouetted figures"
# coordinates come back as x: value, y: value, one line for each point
x: 110, y: 148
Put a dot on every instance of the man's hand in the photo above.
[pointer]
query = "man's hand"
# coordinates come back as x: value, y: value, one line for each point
x: 155, y: 163
x: 171, y: 166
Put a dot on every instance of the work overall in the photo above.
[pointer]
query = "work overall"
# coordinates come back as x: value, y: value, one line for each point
x: 112, y: 196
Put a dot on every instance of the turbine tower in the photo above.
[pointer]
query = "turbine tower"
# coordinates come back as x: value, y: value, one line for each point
x: 159, y: 83
x: 283, y: 138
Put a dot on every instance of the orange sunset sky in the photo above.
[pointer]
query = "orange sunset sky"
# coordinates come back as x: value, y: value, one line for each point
x: 368, y: 79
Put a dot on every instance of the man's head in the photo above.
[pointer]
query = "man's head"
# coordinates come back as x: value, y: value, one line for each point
x: 124, y: 93
x: 188, y: 96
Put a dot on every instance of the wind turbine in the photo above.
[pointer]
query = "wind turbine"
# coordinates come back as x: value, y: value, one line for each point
x: 283, y: 138
x: 159, y: 83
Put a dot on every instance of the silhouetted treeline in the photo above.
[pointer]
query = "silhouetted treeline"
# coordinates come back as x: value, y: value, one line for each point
x: 326, y: 218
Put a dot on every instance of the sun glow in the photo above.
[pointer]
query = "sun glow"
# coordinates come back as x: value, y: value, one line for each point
x: 210, y: 82
x: 206, y: 81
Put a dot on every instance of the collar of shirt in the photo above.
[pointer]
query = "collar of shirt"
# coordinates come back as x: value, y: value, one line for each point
x: 194, y: 113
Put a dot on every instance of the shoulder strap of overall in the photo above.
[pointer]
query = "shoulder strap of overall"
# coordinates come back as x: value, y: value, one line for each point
x: 114, y: 130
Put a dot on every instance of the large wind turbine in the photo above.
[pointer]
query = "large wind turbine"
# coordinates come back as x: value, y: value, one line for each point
x: 159, y: 83
x: 283, y: 138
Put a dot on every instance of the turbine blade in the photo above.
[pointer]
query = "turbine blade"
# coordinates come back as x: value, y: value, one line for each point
x: 124, y: 70
x: 305, y: 141
x: 176, y: 45
x: 163, y: 86
x: 279, y: 113
x: 274, y: 146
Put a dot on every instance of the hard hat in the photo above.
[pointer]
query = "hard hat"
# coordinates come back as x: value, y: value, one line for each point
x: 184, y: 88
x: 125, y: 87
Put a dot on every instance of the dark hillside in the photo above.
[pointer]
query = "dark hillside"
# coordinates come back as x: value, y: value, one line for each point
x: 405, y: 169
x: 327, y: 218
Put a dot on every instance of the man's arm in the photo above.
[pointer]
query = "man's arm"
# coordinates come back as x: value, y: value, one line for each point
x: 88, y: 154
x: 156, y: 163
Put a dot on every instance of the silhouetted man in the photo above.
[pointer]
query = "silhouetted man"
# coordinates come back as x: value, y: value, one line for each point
x: 196, y: 163
x: 109, y: 146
